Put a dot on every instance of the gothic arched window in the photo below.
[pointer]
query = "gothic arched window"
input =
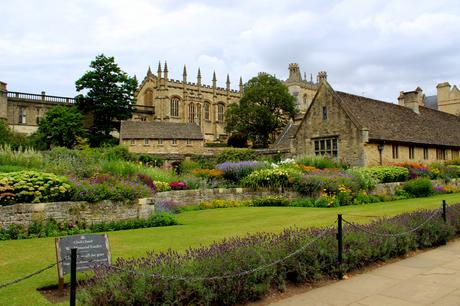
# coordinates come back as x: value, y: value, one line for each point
x: 191, y: 112
x: 206, y: 110
x: 220, y: 112
x: 174, y: 107
x: 148, y: 97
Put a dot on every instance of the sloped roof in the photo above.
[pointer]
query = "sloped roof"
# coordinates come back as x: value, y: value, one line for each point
x: 159, y: 130
x: 284, y: 139
x: 392, y: 122
x: 431, y: 102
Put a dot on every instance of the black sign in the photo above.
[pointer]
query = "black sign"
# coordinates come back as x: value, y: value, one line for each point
x: 92, y: 250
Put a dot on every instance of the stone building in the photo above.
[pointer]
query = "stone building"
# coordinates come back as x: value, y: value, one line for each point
x: 23, y: 111
x: 162, y: 137
x: 447, y: 98
x: 184, y: 101
x: 361, y: 131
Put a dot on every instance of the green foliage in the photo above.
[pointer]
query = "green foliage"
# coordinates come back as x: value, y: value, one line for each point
x: 269, y: 178
x: 150, y: 160
x: 303, y: 202
x: 109, y: 97
x: 386, y: 174
x: 234, y: 155
x: 61, y: 126
x: 263, y: 110
x: 277, y: 200
x: 11, y: 138
x: 238, y: 140
x: 51, y: 228
x: 420, y: 187
x: 187, y: 166
x: 224, y: 204
x: 33, y: 187
x: 320, y: 162
x: 24, y: 158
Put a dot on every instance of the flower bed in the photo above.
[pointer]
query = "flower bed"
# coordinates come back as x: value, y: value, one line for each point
x: 238, y: 270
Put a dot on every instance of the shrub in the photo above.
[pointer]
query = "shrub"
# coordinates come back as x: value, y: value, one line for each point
x: 320, y: 162
x: 178, y: 185
x: 235, y: 155
x: 223, y: 204
x: 303, y: 202
x: 187, y: 166
x: 162, y: 186
x: 150, y: 160
x: 386, y: 174
x: 52, y: 228
x: 193, y: 276
x: 420, y: 187
x: 33, y: 187
x: 105, y: 187
x: 270, y: 201
x: 236, y: 171
x: 22, y: 157
x: 238, y: 140
x: 269, y: 178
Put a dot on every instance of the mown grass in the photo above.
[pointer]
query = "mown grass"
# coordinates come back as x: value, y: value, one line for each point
x: 20, y: 257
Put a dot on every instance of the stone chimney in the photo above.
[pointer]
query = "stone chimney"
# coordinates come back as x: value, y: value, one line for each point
x: 3, y: 102
x: 412, y: 99
x: 448, y: 98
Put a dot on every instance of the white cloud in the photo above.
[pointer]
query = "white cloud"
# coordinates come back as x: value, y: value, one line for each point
x: 375, y: 47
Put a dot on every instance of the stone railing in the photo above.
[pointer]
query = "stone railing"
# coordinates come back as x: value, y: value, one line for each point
x: 23, y: 96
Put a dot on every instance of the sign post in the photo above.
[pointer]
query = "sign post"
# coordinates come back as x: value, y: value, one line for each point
x: 93, y: 249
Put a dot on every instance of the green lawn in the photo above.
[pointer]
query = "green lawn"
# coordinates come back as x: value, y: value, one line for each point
x: 18, y: 258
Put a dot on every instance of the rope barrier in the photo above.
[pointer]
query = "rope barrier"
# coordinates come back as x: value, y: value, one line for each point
x: 362, y: 228
x: 366, y: 216
x: 31, y: 274
x: 243, y: 273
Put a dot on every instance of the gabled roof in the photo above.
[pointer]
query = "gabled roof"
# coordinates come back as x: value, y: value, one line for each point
x: 431, y: 102
x: 159, y: 130
x: 391, y: 122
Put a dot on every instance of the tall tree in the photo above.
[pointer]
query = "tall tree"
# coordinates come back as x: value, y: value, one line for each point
x: 60, y: 127
x: 108, y: 98
x: 264, y: 109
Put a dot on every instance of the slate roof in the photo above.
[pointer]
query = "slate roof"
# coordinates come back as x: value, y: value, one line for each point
x: 159, y: 130
x: 392, y: 122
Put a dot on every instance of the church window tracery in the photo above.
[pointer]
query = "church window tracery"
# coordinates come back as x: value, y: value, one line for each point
x: 174, y: 107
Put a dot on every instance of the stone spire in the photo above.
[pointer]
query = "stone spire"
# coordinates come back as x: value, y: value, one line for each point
x: 228, y: 82
x: 199, y: 77
x: 159, y: 70
x: 166, y: 70
x: 184, y: 75
x: 241, y: 84
x: 149, y: 71
x: 214, y: 79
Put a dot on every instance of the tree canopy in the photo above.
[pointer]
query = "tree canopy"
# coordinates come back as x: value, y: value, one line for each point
x: 61, y: 126
x: 108, y: 97
x: 263, y: 110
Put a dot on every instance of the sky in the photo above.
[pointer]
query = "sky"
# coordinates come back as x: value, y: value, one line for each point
x: 370, y: 48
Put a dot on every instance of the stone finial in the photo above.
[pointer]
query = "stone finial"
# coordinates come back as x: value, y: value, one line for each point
x: 241, y: 84
x: 294, y: 73
x: 184, y: 75
x: 159, y: 70
x: 214, y: 79
x: 166, y: 70
x: 199, y: 77
x: 322, y: 76
x: 228, y: 82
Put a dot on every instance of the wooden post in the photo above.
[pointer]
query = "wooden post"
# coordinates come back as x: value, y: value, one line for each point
x: 73, y: 276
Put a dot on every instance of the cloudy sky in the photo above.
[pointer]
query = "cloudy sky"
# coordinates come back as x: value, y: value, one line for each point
x: 371, y: 48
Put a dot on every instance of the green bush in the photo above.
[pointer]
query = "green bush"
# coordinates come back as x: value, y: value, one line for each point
x: 303, y: 202
x: 420, y: 187
x: 268, y: 178
x: 270, y: 201
x: 51, y: 228
x: 150, y: 160
x: 33, y: 187
x: 320, y: 162
x: 386, y: 174
x: 235, y: 155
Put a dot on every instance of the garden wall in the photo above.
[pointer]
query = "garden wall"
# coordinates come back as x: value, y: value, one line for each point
x: 109, y: 211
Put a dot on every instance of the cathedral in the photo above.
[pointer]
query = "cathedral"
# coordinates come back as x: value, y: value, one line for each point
x: 160, y: 98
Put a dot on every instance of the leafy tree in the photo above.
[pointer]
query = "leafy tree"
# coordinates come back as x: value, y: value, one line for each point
x: 11, y: 138
x: 61, y: 126
x: 109, y: 97
x: 263, y: 110
x: 5, y: 133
